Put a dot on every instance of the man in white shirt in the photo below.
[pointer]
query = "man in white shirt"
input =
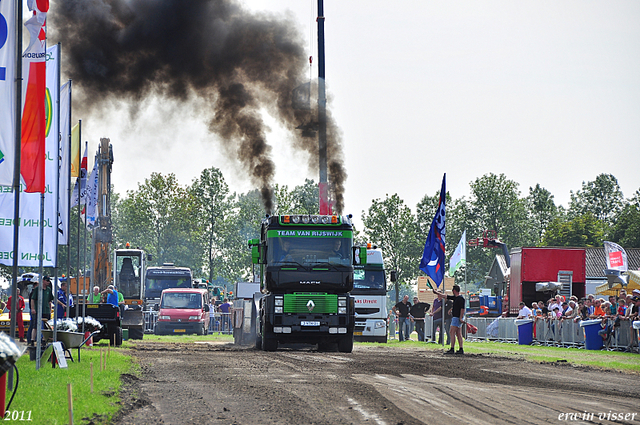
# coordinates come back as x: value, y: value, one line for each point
x: 525, y: 312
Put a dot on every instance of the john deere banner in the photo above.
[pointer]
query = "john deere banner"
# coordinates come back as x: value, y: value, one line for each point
x: 7, y: 91
x: 29, y: 233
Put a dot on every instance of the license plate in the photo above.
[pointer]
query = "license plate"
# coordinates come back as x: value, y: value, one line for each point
x: 309, y: 323
x: 179, y: 330
x: 358, y: 333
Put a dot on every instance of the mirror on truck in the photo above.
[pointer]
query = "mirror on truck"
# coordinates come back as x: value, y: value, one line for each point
x: 254, y: 244
x: 393, y: 275
x: 149, y: 257
x: 359, y: 255
x: 156, y: 307
x: 206, y: 308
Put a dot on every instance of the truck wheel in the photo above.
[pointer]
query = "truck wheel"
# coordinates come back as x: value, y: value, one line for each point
x: 345, y: 344
x: 258, y: 342
x: 203, y: 331
x: 118, y: 336
x: 136, y: 332
x: 269, y: 344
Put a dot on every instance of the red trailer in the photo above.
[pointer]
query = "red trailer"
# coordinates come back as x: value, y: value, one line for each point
x: 530, y: 265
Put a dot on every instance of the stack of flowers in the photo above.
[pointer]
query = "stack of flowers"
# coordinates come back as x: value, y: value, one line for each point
x: 65, y: 325
x: 90, y: 324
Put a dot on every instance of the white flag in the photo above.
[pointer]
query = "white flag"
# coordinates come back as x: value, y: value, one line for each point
x: 92, y: 197
x: 616, y: 256
x: 459, y: 257
x: 65, y: 158
x: 7, y: 91
x: 81, y: 183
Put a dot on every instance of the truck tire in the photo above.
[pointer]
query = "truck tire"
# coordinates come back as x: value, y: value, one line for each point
x: 136, y: 332
x: 118, y: 336
x: 203, y: 330
x: 345, y: 344
x: 258, y: 342
x: 269, y: 344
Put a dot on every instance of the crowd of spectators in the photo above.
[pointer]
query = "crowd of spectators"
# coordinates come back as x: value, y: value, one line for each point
x: 612, y: 311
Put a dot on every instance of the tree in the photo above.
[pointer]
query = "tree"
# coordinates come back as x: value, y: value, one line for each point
x: 584, y: 230
x: 542, y: 210
x: 210, y: 192
x: 626, y: 230
x: 601, y: 197
x: 159, y: 217
x: 390, y: 225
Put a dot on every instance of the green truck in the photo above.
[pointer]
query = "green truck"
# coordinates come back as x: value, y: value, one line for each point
x: 306, y: 273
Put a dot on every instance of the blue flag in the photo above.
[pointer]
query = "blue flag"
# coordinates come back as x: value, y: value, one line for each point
x: 432, y: 262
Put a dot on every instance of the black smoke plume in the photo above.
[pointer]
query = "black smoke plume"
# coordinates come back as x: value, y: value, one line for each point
x: 213, y: 50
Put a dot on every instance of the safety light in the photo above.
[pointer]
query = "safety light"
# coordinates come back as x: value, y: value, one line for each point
x: 326, y: 219
x: 334, y: 219
x: 286, y: 219
x: 315, y: 219
x: 295, y: 219
x: 305, y: 219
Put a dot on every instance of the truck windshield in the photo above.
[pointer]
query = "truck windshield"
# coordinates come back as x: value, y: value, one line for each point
x: 181, y: 300
x: 309, y: 251
x: 368, y: 279
x: 155, y: 285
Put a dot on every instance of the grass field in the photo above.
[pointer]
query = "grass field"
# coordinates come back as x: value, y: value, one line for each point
x: 42, y: 395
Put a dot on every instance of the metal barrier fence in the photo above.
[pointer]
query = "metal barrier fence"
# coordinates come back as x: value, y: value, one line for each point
x: 553, y: 332
x: 219, y: 322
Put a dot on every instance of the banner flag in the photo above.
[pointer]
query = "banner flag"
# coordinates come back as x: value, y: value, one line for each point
x: 75, y: 150
x: 29, y: 235
x: 92, y: 197
x: 616, y: 256
x: 63, y: 194
x: 7, y: 91
x: 32, y: 156
x: 432, y: 261
x: 459, y: 257
x: 81, y: 183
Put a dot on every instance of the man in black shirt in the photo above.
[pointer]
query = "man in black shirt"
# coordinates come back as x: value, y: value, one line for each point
x: 457, y: 319
x: 417, y: 312
x: 401, y: 310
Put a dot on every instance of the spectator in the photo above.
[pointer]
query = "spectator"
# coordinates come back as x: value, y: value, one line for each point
x: 436, y: 313
x: 20, y: 308
x: 622, y: 308
x: 598, y: 312
x: 583, y: 311
x: 543, y: 307
x: 557, y: 314
x: 635, y: 308
x: 622, y: 293
x: 401, y: 310
x: 525, y: 312
x: 613, y: 306
x: 112, y: 295
x: 417, y: 312
x: 33, y: 318
x: 121, y: 303
x: 212, y: 314
x: 566, y: 310
x: 63, y: 300
x: 457, y: 319
x: 95, y: 297
x: 590, y: 306
x: 572, y: 311
x: 636, y: 293
x: 225, y: 309
x: 47, y: 300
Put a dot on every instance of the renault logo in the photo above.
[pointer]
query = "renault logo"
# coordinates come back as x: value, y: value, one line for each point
x: 311, y: 305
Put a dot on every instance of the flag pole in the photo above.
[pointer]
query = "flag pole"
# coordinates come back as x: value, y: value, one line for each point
x: 57, y: 192
x: 16, y: 173
x: 40, y: 291
x: 79, y: 183
x: 69, y: 191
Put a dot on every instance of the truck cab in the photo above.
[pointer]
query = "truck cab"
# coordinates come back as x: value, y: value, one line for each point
x: 183, y: 310
x: 370, y: 295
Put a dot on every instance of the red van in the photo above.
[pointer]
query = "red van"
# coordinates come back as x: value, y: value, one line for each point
x: 183, y: 310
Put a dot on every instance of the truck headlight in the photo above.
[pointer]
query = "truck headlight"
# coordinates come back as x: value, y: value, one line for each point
x: 164, y: 317
x: 277, y: 310
x: 342, y: 302
x: 194, y: 317
x: 279, y: 301
x: 342, y: 310
x: 379, y: 325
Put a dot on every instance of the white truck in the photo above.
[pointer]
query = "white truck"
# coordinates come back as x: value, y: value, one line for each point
x: 370, y: 293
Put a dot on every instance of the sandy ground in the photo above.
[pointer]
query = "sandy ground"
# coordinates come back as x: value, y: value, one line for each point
x: 213, y: 383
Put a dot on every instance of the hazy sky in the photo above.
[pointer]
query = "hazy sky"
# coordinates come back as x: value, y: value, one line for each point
x: 545, y: 92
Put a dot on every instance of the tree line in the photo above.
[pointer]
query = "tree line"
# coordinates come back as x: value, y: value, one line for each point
x: 206, y: 227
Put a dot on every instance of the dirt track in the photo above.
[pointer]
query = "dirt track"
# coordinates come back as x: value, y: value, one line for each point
x: 205, y: 383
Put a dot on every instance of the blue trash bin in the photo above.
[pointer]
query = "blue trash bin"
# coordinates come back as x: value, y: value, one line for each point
x: 592, y: 341
x: 525, y: 331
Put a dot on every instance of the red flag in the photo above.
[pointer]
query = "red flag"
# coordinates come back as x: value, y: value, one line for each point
x: 33, y: 151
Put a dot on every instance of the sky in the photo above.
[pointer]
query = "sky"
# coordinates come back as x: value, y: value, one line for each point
x: 545, y: 92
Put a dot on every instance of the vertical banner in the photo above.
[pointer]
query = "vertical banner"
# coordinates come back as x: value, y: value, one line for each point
x: 33, y: 150
x: 75, y: 150
x: 65, y: 157
x: 29, y: 235
x: 616, y: 256
x: 80, y: 188
x: 459, y: 257
x: 7, y: 90
x: 92, y: 197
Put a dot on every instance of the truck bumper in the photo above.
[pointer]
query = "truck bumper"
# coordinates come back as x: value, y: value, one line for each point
x: 170, y: 328
x: 311, y: 328
x: 370, y: 330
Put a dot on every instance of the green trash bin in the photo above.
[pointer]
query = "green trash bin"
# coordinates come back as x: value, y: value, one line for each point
x: 125, y: 334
